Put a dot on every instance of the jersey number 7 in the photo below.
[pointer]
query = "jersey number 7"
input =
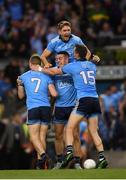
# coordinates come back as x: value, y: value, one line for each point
x: 37, y: 85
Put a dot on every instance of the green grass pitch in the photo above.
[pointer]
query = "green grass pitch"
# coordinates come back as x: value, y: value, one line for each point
x: 64, y: 174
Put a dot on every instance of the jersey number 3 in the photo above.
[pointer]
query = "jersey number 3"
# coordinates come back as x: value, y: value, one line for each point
x: 37, y: 84
x: 88, y: 77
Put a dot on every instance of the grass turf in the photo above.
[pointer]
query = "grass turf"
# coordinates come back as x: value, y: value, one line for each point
x: 64, y: 174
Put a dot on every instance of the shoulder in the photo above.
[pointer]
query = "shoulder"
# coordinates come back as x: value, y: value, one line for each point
x: 72, y: 64
x: 46, y: 76
x: 25, y: 74
x: 69, y: 67
x: 92, y: 64
x: 69, y: 64
x: 76, y: 37
x: 55, y: 40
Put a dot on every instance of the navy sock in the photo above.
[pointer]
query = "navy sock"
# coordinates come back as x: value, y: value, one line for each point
x: 41, y: 162
x: 77, y: 159
x: 43, y: 157
x: 59, y: 158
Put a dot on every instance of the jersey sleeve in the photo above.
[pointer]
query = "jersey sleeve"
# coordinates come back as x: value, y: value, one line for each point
x: 67, y: 69
x: 50, y: 80
x: 80, y: 41
x: 51, y: 46
x: 21, y: 78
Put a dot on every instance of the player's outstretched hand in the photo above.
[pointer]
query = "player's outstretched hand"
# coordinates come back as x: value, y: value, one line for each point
x: 48, y: 65
x: 95, y: 58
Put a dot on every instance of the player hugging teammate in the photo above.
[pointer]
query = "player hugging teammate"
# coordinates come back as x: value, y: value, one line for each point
x: 74, y: 79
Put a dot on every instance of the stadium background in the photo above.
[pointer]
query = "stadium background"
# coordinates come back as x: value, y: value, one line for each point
x: 25, y: 28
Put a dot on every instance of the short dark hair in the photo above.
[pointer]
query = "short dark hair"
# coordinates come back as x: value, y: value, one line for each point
x: 81, y: 50
x: 35, y: 59
x: 61, y: 24
x: 64, y: 53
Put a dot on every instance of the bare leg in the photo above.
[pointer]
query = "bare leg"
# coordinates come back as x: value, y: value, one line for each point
x: 77, y: 148
x: 93, y: 129
x: 34, y: 131
x: 73, y: 122
x: 42, y: 135
x: 59, y: 141
x: 76, y: 143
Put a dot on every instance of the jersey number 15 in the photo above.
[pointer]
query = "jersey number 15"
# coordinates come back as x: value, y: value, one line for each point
x: 88, y: 77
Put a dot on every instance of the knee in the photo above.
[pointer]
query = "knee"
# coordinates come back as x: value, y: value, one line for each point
x: 59, y: 136
x: 93, y: 130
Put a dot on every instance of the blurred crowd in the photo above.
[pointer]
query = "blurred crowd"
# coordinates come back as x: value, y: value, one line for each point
x: 27, y: 26
x: 113, y: 119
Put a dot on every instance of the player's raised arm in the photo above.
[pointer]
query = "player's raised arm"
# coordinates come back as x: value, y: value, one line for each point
x: 46, y: 53
x: 91, y: 56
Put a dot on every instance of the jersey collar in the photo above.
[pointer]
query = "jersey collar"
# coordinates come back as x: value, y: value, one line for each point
x: 81, y: 59
x: 64, y: 40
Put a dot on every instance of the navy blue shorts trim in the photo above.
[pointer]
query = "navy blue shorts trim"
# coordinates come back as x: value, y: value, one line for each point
x: 39, y: 115
x: 62, y: 114
x: 87, y: 107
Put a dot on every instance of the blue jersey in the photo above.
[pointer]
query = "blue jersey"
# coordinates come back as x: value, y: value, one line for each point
x: 36, y: 88
x: 83, y: 74
x: 116, y: 98
x: 107, y: 101
x: 56, y: 45
x: 66, y: 91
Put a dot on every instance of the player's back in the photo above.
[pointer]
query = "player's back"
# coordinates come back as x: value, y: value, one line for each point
x: 83, y: 73
x: 36, y: 88
x: 66, y: 91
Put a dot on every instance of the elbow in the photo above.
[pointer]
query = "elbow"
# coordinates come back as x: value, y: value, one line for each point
x: 20, y: 96
x: 42, y: 56
x: 52, y: 73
